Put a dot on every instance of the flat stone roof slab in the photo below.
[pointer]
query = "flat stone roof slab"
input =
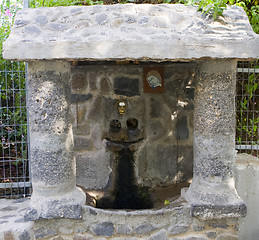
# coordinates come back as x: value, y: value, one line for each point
x: 130, y: 31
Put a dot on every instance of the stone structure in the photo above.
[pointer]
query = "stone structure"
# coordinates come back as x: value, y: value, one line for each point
x: 162, y: 32
x: 165, y: 154
x: 66, y: 46
x: 172, y: 222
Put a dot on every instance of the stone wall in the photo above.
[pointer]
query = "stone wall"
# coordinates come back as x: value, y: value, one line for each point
x: 170, y: 223
x: 165, y: 121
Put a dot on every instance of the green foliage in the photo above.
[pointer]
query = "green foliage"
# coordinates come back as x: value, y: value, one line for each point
x: 252, y: 10
x: 55, y: 3
x: 215, y: 8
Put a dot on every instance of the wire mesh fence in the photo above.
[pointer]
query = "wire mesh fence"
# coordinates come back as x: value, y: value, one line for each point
x: 247, y: 105
x: 14, y: 162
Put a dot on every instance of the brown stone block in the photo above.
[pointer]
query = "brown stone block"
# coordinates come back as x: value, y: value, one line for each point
x: 78, y: 81
x: 8, y: 236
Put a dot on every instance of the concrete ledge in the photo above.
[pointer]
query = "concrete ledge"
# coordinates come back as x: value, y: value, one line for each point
x: 170, y: 222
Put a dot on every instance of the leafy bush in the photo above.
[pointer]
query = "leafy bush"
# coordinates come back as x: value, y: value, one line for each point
x: 216, y: 8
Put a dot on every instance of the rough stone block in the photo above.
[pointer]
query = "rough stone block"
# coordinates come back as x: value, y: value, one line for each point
x: 181, y: 131
x: 101, y: 18
x: 157, y: 163
x: 81, y: 129
x: 78, y: 81
x: 82, y: 143
x: 124, y: 230
x: 25, y: 235
x: 2, y: 222
x: 227, y: 237
x: 211, y: 235
x: 95, y: 112
x: 65, y: 229
x: 156, y: 130
x: 97, y: 137
x: 91, y: 78
x: 8, y: 208
x: 219, y: 225
x: 156, y: 109
x: 40, y: 20
x: 93, y: 169
x: 144, y: 229
x: 59, y: 238
x: 161, y: 235
x: 44, y: 232
x: 174, y: 230
x: 105, y: 229
x: 190, y: 237
x: 105, y: 86
x: 8, y: 236
x: 83, y: 237
x: 33, y: 30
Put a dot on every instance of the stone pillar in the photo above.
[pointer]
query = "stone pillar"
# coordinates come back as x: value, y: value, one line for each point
x: 212, y: 193
x: 53, y: 167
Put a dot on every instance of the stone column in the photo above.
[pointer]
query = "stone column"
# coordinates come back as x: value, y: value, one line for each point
x: 53, y: 167
x: 212, y: 193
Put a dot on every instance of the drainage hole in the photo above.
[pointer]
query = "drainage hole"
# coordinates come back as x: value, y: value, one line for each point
x: 115, y: 125
x: 132, y: 123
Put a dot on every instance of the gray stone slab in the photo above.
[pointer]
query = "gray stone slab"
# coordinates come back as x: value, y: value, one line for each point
x: 163, y: 31
x: 105, y: 229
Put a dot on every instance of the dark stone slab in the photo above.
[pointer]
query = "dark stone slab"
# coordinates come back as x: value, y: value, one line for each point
x: 182, y: 131
x: 78, y: 98
x: 105, y: 229
x: 190, y: 93
x: 126, y: 86
x: 155, y: 108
